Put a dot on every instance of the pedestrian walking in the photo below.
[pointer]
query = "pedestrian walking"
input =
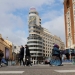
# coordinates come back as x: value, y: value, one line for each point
x: 56, y: 59
x: 27, y: 56
x: 24, y: 56
x: 27, y: 50
x: 21, y: 55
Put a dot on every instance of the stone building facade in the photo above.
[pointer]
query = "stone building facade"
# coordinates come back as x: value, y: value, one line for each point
x: 69, y: 15
x: 6, y: 48
x: 40, y: 40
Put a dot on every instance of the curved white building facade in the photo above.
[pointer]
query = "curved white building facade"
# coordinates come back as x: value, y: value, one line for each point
x: 34, y: 39
x: 40, y: 40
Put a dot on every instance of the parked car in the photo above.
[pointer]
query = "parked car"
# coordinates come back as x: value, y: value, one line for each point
x: 47, y: 60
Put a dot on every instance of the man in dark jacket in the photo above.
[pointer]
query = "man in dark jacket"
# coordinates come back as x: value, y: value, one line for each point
x: 27, y: 51
x: 21, y: 54
x: 27, y: 54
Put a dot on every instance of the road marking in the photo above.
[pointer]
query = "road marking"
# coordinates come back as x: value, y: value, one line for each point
x: 65, y: 71
x: 11, y: 72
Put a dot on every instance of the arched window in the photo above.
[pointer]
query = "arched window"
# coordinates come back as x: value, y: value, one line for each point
x: 67, y: 3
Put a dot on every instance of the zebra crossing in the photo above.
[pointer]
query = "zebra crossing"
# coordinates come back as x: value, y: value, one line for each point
x: 11, y: 72
x: 21, y: 72
x: 65, y: 71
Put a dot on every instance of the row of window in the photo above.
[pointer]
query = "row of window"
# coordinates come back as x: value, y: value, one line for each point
x: 69, y: 34
x: 33, y: 35
x: 47, y: 55
x: 32, y: 12
x: 68, y: 21
x: 48, y: 37
x: 69, y: 29
x: 35, y: 27
x: 34, y: 42
x: 48, y: 42
x: 48, y: 52
x: 74, y: 12
x: 36, y: 53
x: 40, y: 22
x: 35, y: 50
x: 68, y: 24
x: 48, y: 48
x: 34, y: 31
x: 35, y: 46
x: 73, y: 0
x: 48, y: 45
x: 34, y: 38
x: 40, y: 43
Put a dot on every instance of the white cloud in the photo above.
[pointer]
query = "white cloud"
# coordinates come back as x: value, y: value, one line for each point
x: 9, y: 21
x: 61, y: 1
x: 56, y: 27
x: 17, y: 37
x: 55, y: 22
x: 50, y: 15
x: 9, y: 5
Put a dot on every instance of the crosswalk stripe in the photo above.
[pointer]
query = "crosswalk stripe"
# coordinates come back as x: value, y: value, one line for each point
x: 65, y: 71
x: 11, y: 72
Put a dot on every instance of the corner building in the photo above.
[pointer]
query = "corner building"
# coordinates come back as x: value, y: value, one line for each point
x: 69, y: 14
x: 40, y: 40
x: 6, y: 48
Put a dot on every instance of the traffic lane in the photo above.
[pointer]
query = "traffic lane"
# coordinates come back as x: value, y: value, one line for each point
x: 40, y: 70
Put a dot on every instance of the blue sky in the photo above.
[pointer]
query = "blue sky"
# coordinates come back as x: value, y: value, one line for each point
x: 14, y: 18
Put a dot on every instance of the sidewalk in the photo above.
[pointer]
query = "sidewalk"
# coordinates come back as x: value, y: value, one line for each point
x: 67, y: 63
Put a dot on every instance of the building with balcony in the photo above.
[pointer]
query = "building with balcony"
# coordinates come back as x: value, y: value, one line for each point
x: 6, y: 48
x: 69, y: 15
x: 40, y: 40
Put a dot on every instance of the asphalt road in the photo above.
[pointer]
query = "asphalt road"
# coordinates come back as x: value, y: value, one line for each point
x: 38, y: 70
